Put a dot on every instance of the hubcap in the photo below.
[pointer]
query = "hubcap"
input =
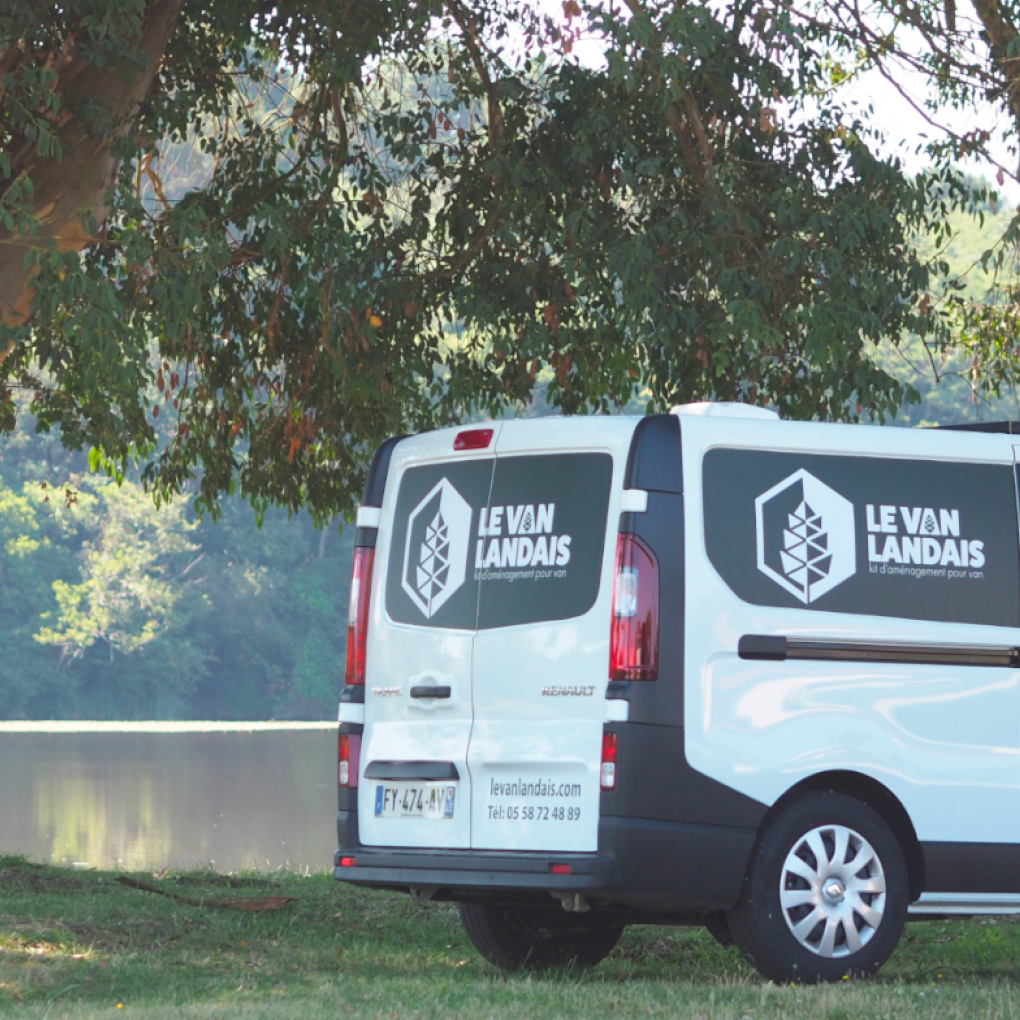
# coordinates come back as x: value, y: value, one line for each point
x: 832, y: 891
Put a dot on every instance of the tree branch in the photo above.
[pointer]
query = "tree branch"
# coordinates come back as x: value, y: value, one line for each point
x: 495, y: 114
x: 68, y: 191
x: 1002, y: 41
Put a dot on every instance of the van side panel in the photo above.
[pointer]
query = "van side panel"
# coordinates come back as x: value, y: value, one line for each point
x: 654, y: 462
x: 964, y: 867
x: 655, y: 465
x: 943, y: 738
x: 378, y: 472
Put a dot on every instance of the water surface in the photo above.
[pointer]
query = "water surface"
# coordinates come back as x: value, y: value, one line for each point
x: 141, y: 796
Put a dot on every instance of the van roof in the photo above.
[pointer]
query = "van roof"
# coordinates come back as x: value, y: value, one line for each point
x: 717, y: 410
x: 1009, y: 428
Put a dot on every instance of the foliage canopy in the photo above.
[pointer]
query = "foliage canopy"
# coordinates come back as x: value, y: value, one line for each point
x: 967, y: 62
x: 113, y: 609
x: 251, y: 623
x: 244, y: 242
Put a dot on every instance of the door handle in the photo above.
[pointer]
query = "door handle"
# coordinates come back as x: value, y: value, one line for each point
x: 430, y: 691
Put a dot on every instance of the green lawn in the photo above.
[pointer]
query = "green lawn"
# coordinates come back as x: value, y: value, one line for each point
x: 76, y: 944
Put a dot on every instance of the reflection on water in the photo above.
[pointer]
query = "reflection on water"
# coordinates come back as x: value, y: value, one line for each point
x: 141, y: 800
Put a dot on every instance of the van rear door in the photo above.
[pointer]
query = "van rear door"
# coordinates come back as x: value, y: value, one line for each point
x: 544, y: 557
x: 414, y: 783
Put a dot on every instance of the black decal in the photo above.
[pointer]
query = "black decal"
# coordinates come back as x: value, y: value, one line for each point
x: 545, y: 532
x: 922, y: 540
x: 430, y: 576
x: 528, y: 531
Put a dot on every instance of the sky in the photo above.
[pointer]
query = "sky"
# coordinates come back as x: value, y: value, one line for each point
x: 904, y: 127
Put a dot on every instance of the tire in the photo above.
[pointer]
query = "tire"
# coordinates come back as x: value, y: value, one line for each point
x: 802, y: 868
x: 534, y: 938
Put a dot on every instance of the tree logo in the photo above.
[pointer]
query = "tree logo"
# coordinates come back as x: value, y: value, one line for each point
x: 806, y: 537
x: 435, y: 552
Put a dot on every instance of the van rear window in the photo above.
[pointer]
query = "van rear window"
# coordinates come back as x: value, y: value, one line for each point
x: 917, y: 539
x: 494, y: 543
x: 540, y: 557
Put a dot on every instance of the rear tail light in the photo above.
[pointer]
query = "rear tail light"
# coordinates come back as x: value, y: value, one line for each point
x: 357, y: 615
x: 560, y: 869
x: 607, y: 774
x: 634, y: 642
x: 348, y: 760
x: 348, y: 862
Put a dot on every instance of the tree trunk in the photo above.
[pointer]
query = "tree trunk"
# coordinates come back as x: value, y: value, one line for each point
x: 1002, y: 38
x: 69, y: 189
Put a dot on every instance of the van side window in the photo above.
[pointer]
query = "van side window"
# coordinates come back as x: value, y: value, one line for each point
x: 916, y: 539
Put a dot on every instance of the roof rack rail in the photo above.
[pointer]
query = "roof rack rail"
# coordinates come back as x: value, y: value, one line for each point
x: 1009, y: 428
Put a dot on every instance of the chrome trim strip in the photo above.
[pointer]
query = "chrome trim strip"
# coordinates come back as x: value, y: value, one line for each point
x: 965, y: 904
x: 778, y: 648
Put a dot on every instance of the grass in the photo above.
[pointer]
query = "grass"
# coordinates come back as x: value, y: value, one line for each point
x: 79, y: 944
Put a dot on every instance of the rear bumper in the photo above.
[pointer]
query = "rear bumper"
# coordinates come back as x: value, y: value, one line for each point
x: 647, y: 865
x: 471, y: 869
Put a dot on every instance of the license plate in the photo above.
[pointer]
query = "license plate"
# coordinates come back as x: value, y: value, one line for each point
x: 414, y: 800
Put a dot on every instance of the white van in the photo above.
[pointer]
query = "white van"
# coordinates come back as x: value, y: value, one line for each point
x: 707, y: 667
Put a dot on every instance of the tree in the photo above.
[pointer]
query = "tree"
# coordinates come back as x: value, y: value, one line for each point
x: 969, y: 59
x: 246, y: 241
x: 31, y: 558
x: 133, y: 574
x: 112, y: 608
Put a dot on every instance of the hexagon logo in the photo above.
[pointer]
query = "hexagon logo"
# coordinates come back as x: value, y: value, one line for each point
x: 436, y: 549
x: 806, y: 537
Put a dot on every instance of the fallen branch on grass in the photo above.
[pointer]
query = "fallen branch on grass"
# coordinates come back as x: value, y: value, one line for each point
x: 252, y: 905
x: 213, y: 879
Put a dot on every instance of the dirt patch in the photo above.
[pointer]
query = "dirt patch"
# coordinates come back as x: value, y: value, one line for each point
x: 37, y: 881
x: 655, y: 949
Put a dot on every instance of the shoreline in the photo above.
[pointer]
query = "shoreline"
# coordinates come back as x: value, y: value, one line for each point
x: 155, y: 726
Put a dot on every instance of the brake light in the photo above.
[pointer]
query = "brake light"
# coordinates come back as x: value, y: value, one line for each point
x: 348, y: 862
x: 357, y: 615
x: 348, y: 760
x: 634, y: 640
x: 560, y: 869
x: 607, y: 774
x: 475, y: 439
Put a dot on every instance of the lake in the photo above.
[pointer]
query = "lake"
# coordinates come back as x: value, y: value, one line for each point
x: 144, y: 796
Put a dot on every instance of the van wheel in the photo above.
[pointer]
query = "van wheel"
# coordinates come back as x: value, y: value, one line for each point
x: 533, y: 938
x: 825, y: 895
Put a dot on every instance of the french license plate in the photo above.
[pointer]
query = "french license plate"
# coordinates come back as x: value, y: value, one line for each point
x: 414, y: 800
